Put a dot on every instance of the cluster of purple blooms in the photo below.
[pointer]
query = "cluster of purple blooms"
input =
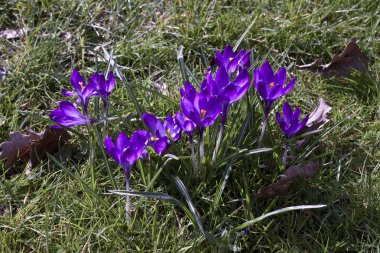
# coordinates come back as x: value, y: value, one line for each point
x: 228, y: 83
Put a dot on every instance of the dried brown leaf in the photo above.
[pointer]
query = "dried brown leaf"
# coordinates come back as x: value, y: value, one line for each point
x: 34, y: 146
x: 341, y: 65
x: 290, y: 176
x: 316, y: 120
x: 52, y: 140
x: 17, y: 148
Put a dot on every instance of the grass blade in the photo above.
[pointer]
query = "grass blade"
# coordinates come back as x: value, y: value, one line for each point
x: 282, y: 210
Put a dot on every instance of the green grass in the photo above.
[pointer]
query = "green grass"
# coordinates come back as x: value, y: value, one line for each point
x: 54, y: 208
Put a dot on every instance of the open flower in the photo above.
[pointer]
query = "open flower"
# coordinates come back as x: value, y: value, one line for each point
x: 227, y: 90
x: 84, y: 92
x: 127, y: 151
x: 103, y: 87
x: 290, y: 124
x: 270, y: 86
x: 172, y: 128
x: 203, y: 110
x: 230, y: 62
x: 68, y: 115
x: 158, y: 139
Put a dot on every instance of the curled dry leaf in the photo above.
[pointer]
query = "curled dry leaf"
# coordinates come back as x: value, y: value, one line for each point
x: 341, y: 65
x: 290, y: 176
x: 316, y: 120
x: 318, y: 117
x: 34, y: 146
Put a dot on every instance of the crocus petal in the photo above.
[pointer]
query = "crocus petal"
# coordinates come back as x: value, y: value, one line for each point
x: 68, y: 115
x: 129, y: 157
x: 302, y: 124
x: 160, y: 146
x: 150, y: 121
x: 189, y: 111
x: 267, y: 72
x: 110, y: 148
x: 288, y: 113
x: 111, y: 82
x: 221, y: 79
x: 289, y: 87
x: 140, y: 138
x: 189, y: 92
x: 281, y: 122
x: 275, y: 92
x: 280, y: 77
x: 122, y: 141
x: 77, y: 81
x: 68, y: 93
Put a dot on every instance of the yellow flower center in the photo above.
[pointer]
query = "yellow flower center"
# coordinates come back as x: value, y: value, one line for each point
x: 154, y: 138
x: 168, y: 131
x: 81, y: 84
x: 271, y: 84
x: 231, y: 58
x: 203, y: 113
x: 186, y: 119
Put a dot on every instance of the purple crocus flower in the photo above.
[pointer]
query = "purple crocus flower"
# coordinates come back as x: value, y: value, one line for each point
x: 68, y: 115
x: 158, y: 139
x: 104, y: 87
x: 203, y: 110
x: 83, y: 91
x: 184, y: 123
x: 227, y: 90
x: 270, y: 86
x: 172, y: 128
x: 126, y: 152
x: 290, y: 124
x: 230, y: 62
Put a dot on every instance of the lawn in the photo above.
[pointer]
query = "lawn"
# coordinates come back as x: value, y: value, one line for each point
x: 66, y: 204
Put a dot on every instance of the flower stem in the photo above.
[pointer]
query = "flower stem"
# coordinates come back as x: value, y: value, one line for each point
x: 127, y: 200
x: 221, y: 131
x: 263, y: 129
x: 193, y: 159
x: 285, y: 155
x: 105, y: 104
x: 92, y: 155
x: 201, y: 148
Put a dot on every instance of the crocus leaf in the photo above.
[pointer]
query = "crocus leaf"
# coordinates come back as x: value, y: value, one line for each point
x: 341, y: 65
x: 290, y: 176
x: 33, y: 146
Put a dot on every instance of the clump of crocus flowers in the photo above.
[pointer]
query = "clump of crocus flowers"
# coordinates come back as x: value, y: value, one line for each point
x: 221, y: 87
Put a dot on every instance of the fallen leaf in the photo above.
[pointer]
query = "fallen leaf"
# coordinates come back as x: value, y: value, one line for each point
x: 17, y: 148
x: 319, y: 115
x: 341, y: 65
x: 33, y: 146
x: 291, y: 175
x: 316, y: 120
x: 52, y: 139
